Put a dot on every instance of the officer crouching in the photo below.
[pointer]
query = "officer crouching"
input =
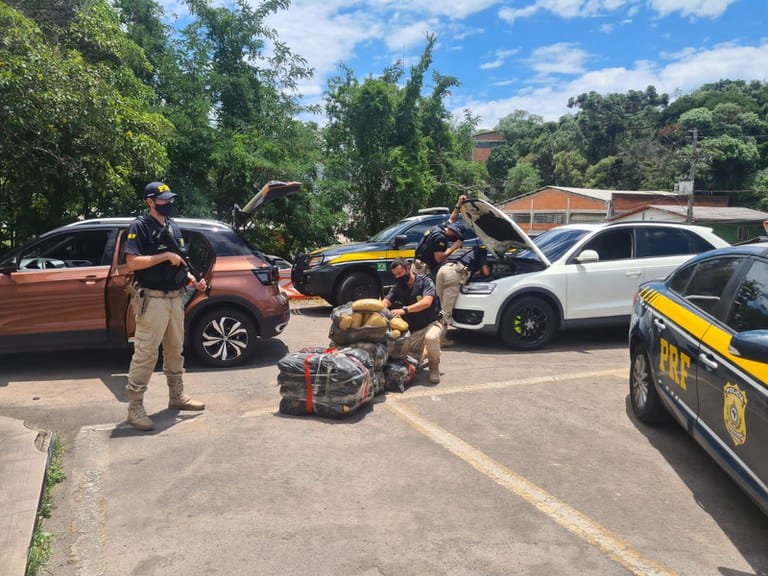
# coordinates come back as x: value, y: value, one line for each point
x: 161, y: 276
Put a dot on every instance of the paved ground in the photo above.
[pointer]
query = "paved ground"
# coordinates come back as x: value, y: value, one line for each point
x: 515, y: 464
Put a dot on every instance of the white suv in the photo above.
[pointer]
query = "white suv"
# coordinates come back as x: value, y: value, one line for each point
x: 572, y: 276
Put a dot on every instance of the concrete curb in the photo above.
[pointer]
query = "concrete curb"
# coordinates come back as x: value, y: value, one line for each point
x: 24, y: 459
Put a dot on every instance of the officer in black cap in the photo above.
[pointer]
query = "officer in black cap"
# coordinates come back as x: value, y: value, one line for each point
x: 160, y: 280
x: 438, y: 243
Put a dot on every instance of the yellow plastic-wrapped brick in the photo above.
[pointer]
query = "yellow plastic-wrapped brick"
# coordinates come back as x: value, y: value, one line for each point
x: 358, y: 319
x: 376, y: 320
x: 345, y: 322
x: 368, y: 305
x: 398, y: 324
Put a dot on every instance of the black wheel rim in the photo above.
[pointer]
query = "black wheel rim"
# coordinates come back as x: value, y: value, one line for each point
x: 530, y: 324
x: 640, y: 381
x: 225, y: 339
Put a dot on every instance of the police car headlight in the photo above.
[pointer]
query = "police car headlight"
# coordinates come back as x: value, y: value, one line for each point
x: 316, y: 260
x: 478, y: 288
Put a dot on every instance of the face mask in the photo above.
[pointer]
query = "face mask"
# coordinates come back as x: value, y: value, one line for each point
x: 164, y: 209
x: 403, y: 281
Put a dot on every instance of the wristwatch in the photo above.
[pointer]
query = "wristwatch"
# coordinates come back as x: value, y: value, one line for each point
x: 405, y: 309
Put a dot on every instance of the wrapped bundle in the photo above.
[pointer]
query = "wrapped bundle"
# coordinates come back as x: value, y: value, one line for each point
x: 326, y: 382
x: 398, y: 375
x: 398, y: 344
x: 351, y: 323
x: 377, y: 352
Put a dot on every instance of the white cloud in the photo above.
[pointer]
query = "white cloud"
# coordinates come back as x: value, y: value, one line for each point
x: 560, y: 58
x: 588, y: 8
x: 501, y: 57
x: 697, y: 8
x: 690, y: 71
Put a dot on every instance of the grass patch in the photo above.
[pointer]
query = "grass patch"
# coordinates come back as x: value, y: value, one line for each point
x: 40, y: 549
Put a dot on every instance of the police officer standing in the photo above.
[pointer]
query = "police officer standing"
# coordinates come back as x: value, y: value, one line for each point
x: 161, y: 276
x: 414, y: 299
x: 438, y: 243
x: 454, y: 272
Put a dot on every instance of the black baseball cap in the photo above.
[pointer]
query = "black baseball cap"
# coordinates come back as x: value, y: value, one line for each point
x: 158, y: 191
x: 457, y: 229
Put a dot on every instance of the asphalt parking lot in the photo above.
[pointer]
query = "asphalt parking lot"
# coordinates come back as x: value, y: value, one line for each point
x: 516, y: 463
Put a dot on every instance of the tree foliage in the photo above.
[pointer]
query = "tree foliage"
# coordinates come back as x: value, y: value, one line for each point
x: 97, y: 98
x: 76, y: 124
x: 391, y: 149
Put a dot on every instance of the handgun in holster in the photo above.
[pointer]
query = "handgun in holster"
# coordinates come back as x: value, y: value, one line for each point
x: 139, y: 299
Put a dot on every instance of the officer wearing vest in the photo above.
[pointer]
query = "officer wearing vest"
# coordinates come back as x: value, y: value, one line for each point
x: 156, y: 298
x: 459, y: 267
x: 414, y: 299
x: 438, y: 243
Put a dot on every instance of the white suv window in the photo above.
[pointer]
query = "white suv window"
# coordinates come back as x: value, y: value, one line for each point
x: 612, y: 244
x: 653, y: 241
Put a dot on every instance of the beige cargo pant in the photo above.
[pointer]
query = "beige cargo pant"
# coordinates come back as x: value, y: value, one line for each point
x: 420, y: 267
x: 449, y: 279
x: 161, y: 323
x: 427, y: 341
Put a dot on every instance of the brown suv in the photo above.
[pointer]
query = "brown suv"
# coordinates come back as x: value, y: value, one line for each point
x: 66, y: 290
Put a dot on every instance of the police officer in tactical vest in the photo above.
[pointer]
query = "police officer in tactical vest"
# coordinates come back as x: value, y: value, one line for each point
x: 455, y: 271
x: 438, y: 243
x: 156, y: 297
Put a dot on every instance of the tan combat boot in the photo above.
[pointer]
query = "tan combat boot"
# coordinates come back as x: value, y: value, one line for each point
x: 434, y: 373
x: 137, y: 416
x: 178, y: 400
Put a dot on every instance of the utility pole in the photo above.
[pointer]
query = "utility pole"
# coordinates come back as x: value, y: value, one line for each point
x: 689, y: 214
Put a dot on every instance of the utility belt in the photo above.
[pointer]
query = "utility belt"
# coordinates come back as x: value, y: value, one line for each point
x: 140, y: 296
x: 460, y: 265
x: 162, y: 293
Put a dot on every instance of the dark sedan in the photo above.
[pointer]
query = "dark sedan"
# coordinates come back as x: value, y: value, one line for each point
x: 699, y: 352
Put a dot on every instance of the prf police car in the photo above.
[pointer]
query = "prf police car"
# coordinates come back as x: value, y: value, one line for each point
x: 699, y: 351
x: 361, y: 270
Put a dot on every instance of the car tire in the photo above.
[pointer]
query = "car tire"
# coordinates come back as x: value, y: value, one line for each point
x: 643, y: 396
x: 224, y: 337
x: 528, y: 323
x: 355, y: 286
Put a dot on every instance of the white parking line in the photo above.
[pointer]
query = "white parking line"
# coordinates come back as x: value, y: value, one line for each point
x: 565, y: 515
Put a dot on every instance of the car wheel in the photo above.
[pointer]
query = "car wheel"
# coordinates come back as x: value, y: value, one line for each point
x: 357, y: 285
x: 643, y: 397
x: 224, y: 337
x: 528, y: 323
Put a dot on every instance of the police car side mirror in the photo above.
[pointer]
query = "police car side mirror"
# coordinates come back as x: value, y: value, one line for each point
x: 751, y: 345
x: 399, y: 240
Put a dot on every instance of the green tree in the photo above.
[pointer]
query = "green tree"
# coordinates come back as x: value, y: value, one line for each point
x: 76, y: 124
x: 521, y: 178
x: 389, y: 149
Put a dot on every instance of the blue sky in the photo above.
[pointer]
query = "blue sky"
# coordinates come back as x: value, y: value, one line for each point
x: 533, y: 55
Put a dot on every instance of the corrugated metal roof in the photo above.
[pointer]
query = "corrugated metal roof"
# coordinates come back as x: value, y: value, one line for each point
x: 712, y: 213
x: 596, y: 193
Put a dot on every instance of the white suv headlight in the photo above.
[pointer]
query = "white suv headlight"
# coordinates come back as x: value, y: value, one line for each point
x: 478, y: 288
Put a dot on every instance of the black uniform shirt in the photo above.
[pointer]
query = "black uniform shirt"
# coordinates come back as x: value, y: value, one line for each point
x: 434, y: 240
x: 145, y: 238
x: 400, y: 296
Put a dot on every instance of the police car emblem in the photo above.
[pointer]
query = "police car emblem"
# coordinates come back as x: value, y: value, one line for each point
x: 734, y: 413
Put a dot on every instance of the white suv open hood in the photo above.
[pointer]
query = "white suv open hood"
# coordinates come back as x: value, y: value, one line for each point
x: 496, y: 229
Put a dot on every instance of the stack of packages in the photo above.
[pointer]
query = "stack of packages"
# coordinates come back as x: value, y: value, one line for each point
x: 367, y: 355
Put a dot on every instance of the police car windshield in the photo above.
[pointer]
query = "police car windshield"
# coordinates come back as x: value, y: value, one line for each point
x: 553, y: 243
x: 388, y: 233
